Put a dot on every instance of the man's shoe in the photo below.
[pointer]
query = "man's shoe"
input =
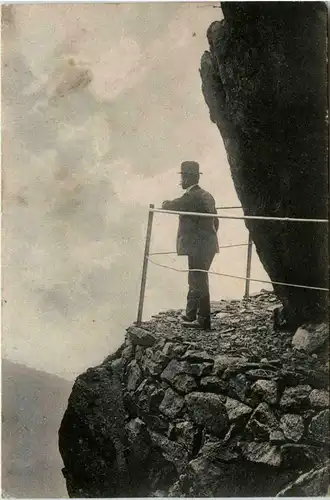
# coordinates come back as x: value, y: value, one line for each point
x: 205, y: 323
x: 192, y: 324
x: 198, y: 325
x: 186, y: 318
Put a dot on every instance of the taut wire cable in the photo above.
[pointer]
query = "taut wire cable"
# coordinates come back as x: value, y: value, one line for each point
x: 221, y: 246
x: 237, y: 277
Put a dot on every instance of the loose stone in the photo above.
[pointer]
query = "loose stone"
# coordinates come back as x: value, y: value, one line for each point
x: 292, y: 427
x: 236, y: 410
x: 265, y: 390
x: 208, y: 410
x: 263, y: 453
x: 134, y: 376
x: 319, y: 398
x: 171, y: 404
x: 319, y: 428
x: 139, y: 336
x: 295, y: 397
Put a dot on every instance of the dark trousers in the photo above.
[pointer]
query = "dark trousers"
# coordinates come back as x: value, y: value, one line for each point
x: 198, y: 298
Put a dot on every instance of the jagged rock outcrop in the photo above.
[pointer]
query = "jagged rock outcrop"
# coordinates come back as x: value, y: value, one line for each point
x: 264, y: 80
x: 238, y: 411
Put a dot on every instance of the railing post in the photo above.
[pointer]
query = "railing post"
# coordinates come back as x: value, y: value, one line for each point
x: 145, y: 266
x: 248, y: 268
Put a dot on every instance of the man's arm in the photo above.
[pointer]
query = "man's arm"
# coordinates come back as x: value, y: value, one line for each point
x: 216, y: 219
x: 182, y: 204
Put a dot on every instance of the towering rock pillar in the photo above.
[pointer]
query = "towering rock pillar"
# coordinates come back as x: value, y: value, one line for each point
x: 264, y: 80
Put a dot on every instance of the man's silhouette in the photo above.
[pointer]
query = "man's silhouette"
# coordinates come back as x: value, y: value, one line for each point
x: 197, y: 238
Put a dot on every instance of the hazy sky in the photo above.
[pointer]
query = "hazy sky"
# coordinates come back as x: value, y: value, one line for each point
x: 100, y: 104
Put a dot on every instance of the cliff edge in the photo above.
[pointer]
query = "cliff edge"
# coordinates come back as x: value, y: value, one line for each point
x: 238, y: 411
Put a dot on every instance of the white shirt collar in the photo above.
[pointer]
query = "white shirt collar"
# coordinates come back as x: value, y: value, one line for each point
x: 190, y: 187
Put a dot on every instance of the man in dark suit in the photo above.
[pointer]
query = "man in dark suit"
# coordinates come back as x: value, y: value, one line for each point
x: 197, y: 238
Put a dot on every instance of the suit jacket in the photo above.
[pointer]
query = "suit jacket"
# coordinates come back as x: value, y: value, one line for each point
x: 196, y: 235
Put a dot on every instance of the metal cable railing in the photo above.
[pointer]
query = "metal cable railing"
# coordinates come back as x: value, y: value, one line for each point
x: 237, y: 277
x: 220, y: 246
x: 238, y: 217
x: 247, y: 277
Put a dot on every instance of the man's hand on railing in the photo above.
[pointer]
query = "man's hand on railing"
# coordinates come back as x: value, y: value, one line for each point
x: 180, y: 204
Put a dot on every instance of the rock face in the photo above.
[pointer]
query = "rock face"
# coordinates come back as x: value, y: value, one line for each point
x: 264, y: 80
x: 198, y: 424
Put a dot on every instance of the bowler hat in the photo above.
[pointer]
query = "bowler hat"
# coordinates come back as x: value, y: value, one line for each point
x: 189, y: 168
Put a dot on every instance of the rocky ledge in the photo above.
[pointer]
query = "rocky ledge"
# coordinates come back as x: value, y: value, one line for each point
x: 242, y: 410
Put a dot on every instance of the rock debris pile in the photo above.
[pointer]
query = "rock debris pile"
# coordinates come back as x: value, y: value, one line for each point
x: 241, y: 410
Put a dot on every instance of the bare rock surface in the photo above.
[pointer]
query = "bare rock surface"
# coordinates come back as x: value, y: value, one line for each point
x: 271, y: 122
